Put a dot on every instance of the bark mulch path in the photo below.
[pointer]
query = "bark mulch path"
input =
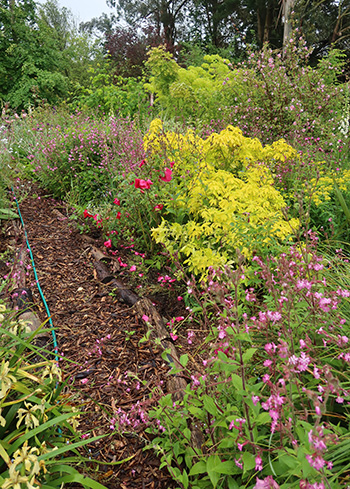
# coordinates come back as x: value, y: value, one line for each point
x: 99, y: 337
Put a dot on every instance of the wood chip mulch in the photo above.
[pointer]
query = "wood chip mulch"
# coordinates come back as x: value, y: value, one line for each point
x: 105, y: 366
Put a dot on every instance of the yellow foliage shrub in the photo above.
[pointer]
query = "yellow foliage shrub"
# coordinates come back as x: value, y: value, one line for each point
x: 224, y: 197
x: 324, y: 185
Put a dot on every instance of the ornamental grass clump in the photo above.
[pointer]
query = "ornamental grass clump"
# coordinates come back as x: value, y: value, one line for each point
x: 38, y: 422
x: 271, y: 398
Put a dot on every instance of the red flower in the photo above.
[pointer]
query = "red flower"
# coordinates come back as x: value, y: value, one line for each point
x: 143, y: 184
x: 108, y: 243
x: 168, y: 175
x: 158, y: 207
x: 116, y: 201
x: 119, y: 215
x: 143, y: 162
x: 86, y: 214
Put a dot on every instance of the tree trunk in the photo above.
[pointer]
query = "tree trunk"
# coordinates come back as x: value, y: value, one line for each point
x: 287, y: 8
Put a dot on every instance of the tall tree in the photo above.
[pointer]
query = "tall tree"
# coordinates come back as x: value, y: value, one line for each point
x: 324, y: 23
x: 164, y: 15
x: 37, y: 49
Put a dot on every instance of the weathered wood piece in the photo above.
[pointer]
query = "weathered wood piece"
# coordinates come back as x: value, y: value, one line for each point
x: 21, y: 296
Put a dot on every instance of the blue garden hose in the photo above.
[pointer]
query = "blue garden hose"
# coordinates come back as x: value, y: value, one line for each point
x: 37, y: 282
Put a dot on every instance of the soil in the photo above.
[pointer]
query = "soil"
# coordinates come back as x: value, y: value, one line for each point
x: 104, y: 365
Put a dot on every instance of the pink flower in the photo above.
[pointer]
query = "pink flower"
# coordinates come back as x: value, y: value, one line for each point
x: 239, y: 421
x: 167, y: 175
x: 158, y: 207
x: 258, y: 463
x: 116, y: 201
x: 121, y: 262
x: 108, y: 243
x: 255, y: 400
x: 119, y: 215
x: 143, y: 184
x: 267, y: 483
x: 132, y: 268
x: 145, y: 318
x: 173, y: 336
x: 84, y: 381
x: 190, y: 335
x: 324, y: 304
x: 180, y: 298
x: 143, y: 162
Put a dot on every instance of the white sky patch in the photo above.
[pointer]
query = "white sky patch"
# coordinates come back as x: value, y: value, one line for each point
x: 84, y: 10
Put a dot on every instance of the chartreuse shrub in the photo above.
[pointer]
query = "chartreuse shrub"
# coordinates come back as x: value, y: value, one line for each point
x: 222, y: 200
x: 270, y: 95
x: 269, y: 406
x: 330, y: 202
x: 38, y: 437
x: 113, y: 95
x: 195, y: 91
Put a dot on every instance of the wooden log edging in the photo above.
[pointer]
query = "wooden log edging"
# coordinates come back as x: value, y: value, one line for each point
x: 175, y: 384
x: 21, y: 296
x: 144, y: 307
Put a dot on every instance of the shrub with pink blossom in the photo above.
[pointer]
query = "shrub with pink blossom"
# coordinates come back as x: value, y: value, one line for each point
x: 271, y: 399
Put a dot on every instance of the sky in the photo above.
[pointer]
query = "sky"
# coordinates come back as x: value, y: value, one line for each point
x: 85, y: 10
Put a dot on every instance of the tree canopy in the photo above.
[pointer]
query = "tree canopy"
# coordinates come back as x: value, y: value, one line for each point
x: 42, y: 54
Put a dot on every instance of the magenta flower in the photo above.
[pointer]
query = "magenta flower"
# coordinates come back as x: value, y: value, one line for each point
x: 87, y: 214
x: 108, y: 243
x: 116, y: 201
x: 132, y: 268
x: 143, y: 184
x: 158, y: 207
x: 167, y: 175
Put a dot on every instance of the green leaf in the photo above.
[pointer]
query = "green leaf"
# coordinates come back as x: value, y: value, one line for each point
x: 214, y: 476
x: 263, y: 418
x: 55, y: 421
x: 237, y: 382
x: 184, y: 360
x: 80, y: 479
x: 248, y: 461
x: 8, y: 214
x: 209, y: 405
x: 4, y: 455
x: 199, y: 468
x: 341, y: 200
x: 246, y: 357
x: 232, y: 484
x: 228, y: 467
x: 185, y: 479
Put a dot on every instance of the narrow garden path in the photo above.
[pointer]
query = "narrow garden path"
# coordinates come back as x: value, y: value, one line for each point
x: 104, y: 365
